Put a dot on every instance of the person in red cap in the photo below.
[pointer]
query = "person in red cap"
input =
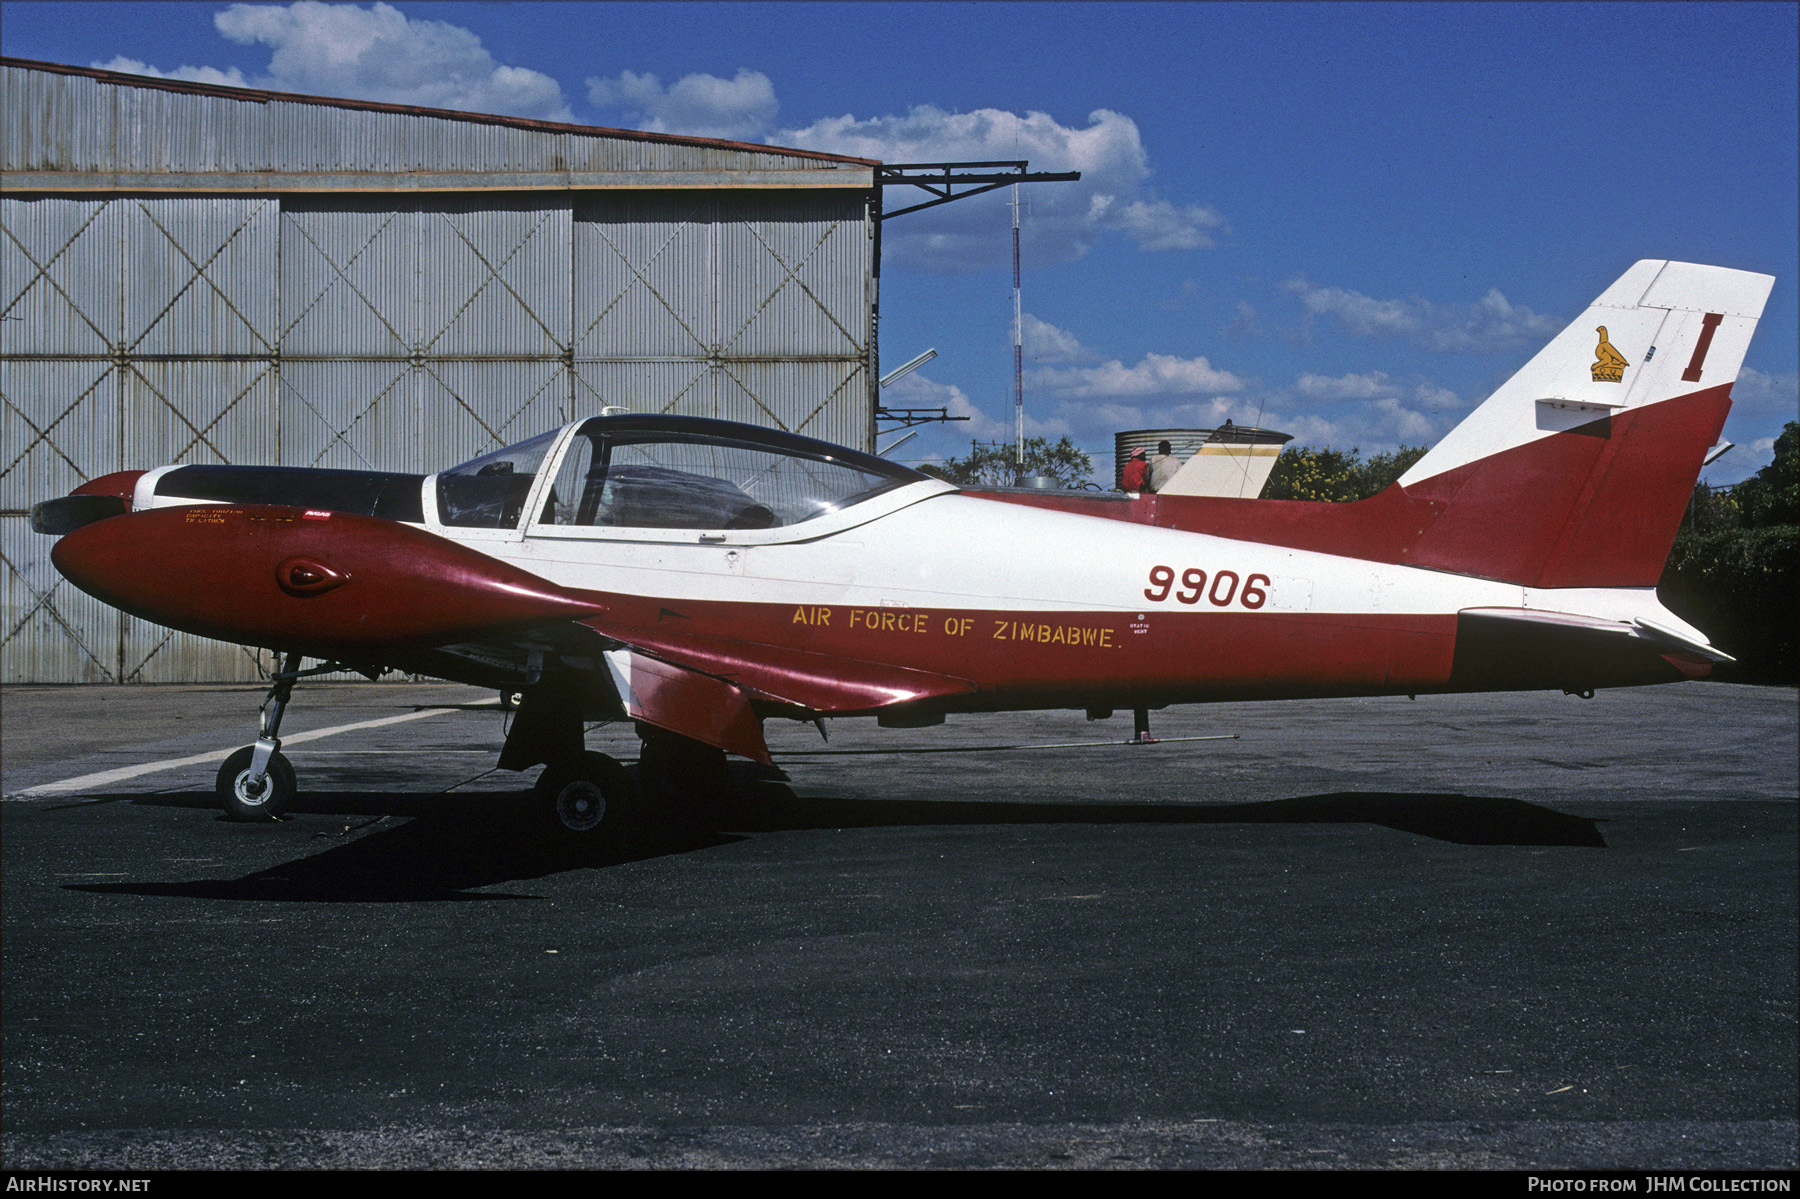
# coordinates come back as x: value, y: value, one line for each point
x: 1136, y: 471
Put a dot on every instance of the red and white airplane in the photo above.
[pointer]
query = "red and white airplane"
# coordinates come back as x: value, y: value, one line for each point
x: 700, y: 577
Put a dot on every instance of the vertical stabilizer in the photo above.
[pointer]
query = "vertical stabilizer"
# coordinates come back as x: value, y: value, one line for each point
x: 1575, y: 473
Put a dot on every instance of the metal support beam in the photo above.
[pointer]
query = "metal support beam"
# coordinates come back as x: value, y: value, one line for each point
x: 906, y: 418
x: 942, y: 179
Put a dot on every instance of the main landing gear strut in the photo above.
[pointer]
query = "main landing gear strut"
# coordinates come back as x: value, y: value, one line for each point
x: 589, y: 798
x: 586, y: 798
x: 582, y: 797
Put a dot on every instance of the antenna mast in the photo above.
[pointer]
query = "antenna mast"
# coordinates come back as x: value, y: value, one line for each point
x: 1018, y: 348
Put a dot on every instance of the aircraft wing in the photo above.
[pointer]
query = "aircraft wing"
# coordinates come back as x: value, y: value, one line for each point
x: 798, y: 678
x: 703, y: 687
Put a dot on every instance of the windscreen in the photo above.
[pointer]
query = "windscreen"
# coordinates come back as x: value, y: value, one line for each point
x: 665, y: 479
x: 489, y: 492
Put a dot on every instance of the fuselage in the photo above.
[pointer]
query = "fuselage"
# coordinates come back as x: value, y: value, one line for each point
x: 1035, y: 607
x: 1044, y: 608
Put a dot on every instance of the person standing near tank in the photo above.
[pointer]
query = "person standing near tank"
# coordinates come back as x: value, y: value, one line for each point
x: 1132, y: 479
x: 1163, y: 466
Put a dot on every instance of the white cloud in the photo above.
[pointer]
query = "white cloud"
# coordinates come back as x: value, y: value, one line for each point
x: 1391, y: 416
x: 1157, y: 224
x: 1344, y: 387
x: 1743, y: 461
x: 1489, y: 323
x: 212, y: 75
x: 1155, y: 375
x: 1064, y: 219
x: 1247, y: 322
x: 1764, y: 394
x: 1761, y: 403
x: 1421, y: 394
x: 696, y: 105
x: 1369, y: 410
x: 379, y: 53
x: 1045, y: 342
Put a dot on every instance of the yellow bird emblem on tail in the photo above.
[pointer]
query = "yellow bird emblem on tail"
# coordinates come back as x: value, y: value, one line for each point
x: 1609, y: 365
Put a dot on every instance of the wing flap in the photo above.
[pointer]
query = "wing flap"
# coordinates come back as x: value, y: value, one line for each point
x: 687, y: 702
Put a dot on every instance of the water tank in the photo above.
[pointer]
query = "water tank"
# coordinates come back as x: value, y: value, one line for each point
x: 1245, y: 454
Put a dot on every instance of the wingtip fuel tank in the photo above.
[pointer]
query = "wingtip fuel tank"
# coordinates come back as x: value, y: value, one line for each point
x: 328, y: 583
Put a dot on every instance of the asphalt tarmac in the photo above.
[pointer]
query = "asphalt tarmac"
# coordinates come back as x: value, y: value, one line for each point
x: 1510, y: 931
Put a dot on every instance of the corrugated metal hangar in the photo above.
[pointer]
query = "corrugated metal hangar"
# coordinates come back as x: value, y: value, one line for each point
x: 205, y: 274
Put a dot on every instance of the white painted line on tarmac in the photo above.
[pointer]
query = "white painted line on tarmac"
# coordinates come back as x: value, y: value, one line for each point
x: 107, y: 777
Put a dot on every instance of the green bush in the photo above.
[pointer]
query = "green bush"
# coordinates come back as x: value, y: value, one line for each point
x: 1772, y: 496
x: 1738, y: 585
x: 1732, y: 570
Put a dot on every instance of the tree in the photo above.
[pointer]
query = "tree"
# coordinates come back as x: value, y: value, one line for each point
x: 1383, y: 470
x: 1732, y: 571
x: 1307, y: 474
x: 991, y: 465
x: 1335, y: 475
x: 1767, y: 499
x: 1772, y: 495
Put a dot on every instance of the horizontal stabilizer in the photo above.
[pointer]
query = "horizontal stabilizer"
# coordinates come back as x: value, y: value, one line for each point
x: 1656, y: 636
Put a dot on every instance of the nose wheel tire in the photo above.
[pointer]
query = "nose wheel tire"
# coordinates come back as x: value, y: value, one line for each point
x: 587, y: 799
x: 244, y: 800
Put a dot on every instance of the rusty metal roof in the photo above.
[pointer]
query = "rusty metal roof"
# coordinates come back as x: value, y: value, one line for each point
x: 259, y: 96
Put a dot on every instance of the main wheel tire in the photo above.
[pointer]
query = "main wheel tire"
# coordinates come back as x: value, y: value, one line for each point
x: 244, y: 802
x: 587, y: 799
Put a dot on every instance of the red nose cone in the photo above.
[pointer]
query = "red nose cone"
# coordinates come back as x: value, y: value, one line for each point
x: 331, y: 584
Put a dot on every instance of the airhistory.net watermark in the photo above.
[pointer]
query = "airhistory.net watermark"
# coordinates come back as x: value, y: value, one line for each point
x: 48, y: 1184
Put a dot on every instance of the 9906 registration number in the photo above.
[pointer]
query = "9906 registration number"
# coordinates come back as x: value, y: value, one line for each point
x: 1225, y: 589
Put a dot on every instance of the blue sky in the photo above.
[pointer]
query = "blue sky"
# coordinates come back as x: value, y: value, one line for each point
x: 1348, y: 221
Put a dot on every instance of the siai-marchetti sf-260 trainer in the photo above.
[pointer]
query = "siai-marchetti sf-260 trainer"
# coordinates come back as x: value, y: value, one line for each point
x: 700, y: 577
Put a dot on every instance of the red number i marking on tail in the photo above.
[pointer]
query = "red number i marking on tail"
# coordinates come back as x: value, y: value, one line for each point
x: 1692, y: 373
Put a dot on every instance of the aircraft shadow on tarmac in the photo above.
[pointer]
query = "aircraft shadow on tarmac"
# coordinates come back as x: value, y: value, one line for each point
x: 458, y: 843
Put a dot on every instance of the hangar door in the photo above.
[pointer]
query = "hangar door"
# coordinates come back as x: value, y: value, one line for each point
x: 136, y: 331
x: 750, y: 306
x: 390, y: 333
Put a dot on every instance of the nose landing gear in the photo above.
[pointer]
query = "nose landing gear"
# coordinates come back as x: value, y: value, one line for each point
x: 250, y: 791
x: 257, y: 782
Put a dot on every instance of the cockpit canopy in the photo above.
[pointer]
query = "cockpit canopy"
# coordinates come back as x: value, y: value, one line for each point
x: 666, y: 472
